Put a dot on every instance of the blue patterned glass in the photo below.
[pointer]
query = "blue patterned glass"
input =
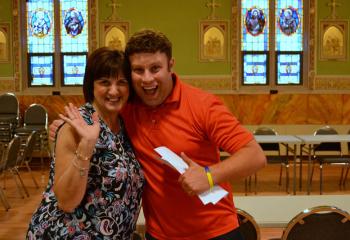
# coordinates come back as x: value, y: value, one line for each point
x: 289, y: 25
x: 41, y: 70
x: 255, y: 26
x: 288, y: 68
x: 255, y: 69
x: 74, y: 26
x: 74, y: 69
x: 40, y: 26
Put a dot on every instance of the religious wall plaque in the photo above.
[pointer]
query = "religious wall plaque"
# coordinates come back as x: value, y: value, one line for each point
x: 213, y: 40
x: 114, y: 34
x: 5, y: 42
x: 333, y: 40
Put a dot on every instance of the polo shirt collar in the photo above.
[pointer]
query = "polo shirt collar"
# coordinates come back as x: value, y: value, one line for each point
x: 174, y: 96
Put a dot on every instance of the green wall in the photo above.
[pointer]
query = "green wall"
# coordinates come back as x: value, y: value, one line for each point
x: 179, y: 20
x: 323, y: 12
x: 6, y: 69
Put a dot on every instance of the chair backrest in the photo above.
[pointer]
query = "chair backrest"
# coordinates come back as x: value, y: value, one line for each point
x: 11, y: 153
x: 248, y: 226
x: 36, y: 114
x: 323, y: 222
x: 9, y: 104
x: 29, y: 147
x: 327, y: 146
x: 267, y: 146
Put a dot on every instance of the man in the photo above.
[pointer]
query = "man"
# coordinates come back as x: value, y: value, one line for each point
x: 193, y: 124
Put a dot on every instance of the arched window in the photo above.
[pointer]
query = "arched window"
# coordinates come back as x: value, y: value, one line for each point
x: 57, y: 42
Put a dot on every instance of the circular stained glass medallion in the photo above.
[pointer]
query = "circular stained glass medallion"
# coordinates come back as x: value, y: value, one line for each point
x: 255, y: 21
x: 73, y: 22
x: 40, y: 23
x: 288, y: 21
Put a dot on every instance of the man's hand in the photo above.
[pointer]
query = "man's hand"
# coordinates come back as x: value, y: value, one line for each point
x: 194, y: 180
x: 53, y: 128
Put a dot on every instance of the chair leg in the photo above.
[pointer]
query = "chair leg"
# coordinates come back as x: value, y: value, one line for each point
x: 246, y: 186
x: 17, y: 185
x: 346, y: 175
x: 280, y: 179
x: 287, y: 178
x: 21, y: 181
x: 31, y: 174
x: 4, y: 200
x: 321, y: 178
x: 341, y: 177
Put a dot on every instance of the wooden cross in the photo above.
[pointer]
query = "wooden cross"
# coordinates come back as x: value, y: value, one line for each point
x: 212, y: 5
x: 114, y: 5
x: 333, y: 6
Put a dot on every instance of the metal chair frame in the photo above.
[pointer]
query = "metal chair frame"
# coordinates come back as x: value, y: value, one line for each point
x: 274, y: 148
x: 334, y: 156
x: 316, y: 217
x: 248, y: 225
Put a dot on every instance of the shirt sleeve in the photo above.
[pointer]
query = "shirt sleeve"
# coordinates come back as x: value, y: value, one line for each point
x: 223, y: 128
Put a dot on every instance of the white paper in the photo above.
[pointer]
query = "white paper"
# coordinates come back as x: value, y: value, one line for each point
x: 211, y: 196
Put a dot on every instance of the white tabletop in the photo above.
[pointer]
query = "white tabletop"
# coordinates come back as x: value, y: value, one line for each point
x: 314, y: 139
x: 277, y: 139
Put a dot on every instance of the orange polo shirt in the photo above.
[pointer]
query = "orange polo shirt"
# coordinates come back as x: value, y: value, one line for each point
x: 196, y: 123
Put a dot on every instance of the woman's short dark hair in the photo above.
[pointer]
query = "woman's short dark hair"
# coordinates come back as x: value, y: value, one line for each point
x: 103, y: 62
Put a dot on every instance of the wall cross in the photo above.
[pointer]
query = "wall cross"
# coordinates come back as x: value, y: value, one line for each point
x: 212, y: 5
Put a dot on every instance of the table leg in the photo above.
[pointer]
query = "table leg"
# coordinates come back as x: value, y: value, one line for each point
x: 309, y: 172
x: 301, y: 168
x: 295, y: 169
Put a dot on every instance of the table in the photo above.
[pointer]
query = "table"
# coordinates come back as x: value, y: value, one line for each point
x: 317, y: 139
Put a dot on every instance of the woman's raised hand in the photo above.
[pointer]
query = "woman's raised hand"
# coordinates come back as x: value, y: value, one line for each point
x: 74, y: 119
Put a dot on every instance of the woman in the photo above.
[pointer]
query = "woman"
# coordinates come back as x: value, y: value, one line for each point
x: 95, y: 182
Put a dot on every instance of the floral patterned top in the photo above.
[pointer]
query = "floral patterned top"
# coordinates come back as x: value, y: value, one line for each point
x: 111, y: 205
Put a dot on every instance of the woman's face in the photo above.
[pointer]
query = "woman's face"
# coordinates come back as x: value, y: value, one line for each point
x: 111, y: 94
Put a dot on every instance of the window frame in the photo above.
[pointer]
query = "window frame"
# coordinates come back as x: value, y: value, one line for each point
x: 272, y: 64
x: 58, y: 84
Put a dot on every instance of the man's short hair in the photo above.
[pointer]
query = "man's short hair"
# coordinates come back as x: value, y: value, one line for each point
x: 148, y: 41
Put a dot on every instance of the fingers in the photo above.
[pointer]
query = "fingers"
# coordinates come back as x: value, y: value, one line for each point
x: 53, y: 128
x: 72, y: 111
x: 186, y: 159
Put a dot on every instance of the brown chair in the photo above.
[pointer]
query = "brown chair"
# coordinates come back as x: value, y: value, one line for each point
x: 36, y: 119
x: 9, y: 116
x: 247, y: 225
x: 11, y: 159
x: 273, y: 153
x: 319, y: 223
x: 329, y: 153
x: 3, y: 197
x: 26, y: 155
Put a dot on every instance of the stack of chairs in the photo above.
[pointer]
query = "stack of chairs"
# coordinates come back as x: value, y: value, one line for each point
x: 36, y: 119
x: 9, y: 116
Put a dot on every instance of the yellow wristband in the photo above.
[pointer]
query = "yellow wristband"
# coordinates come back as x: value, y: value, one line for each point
x: 210, y: 178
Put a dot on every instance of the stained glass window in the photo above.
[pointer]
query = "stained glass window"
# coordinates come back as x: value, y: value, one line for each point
x: 61, y: 44
x: 74, y: 69
x: 40, y: 26
x: 255, y: 28
x: 41, y: 70
x: 254, y: 69
x: 282, y: 46
x: 289, y: 68
x: 289, y: 29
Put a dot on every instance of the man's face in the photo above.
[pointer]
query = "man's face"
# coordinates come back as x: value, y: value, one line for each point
x: 151, y: 77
